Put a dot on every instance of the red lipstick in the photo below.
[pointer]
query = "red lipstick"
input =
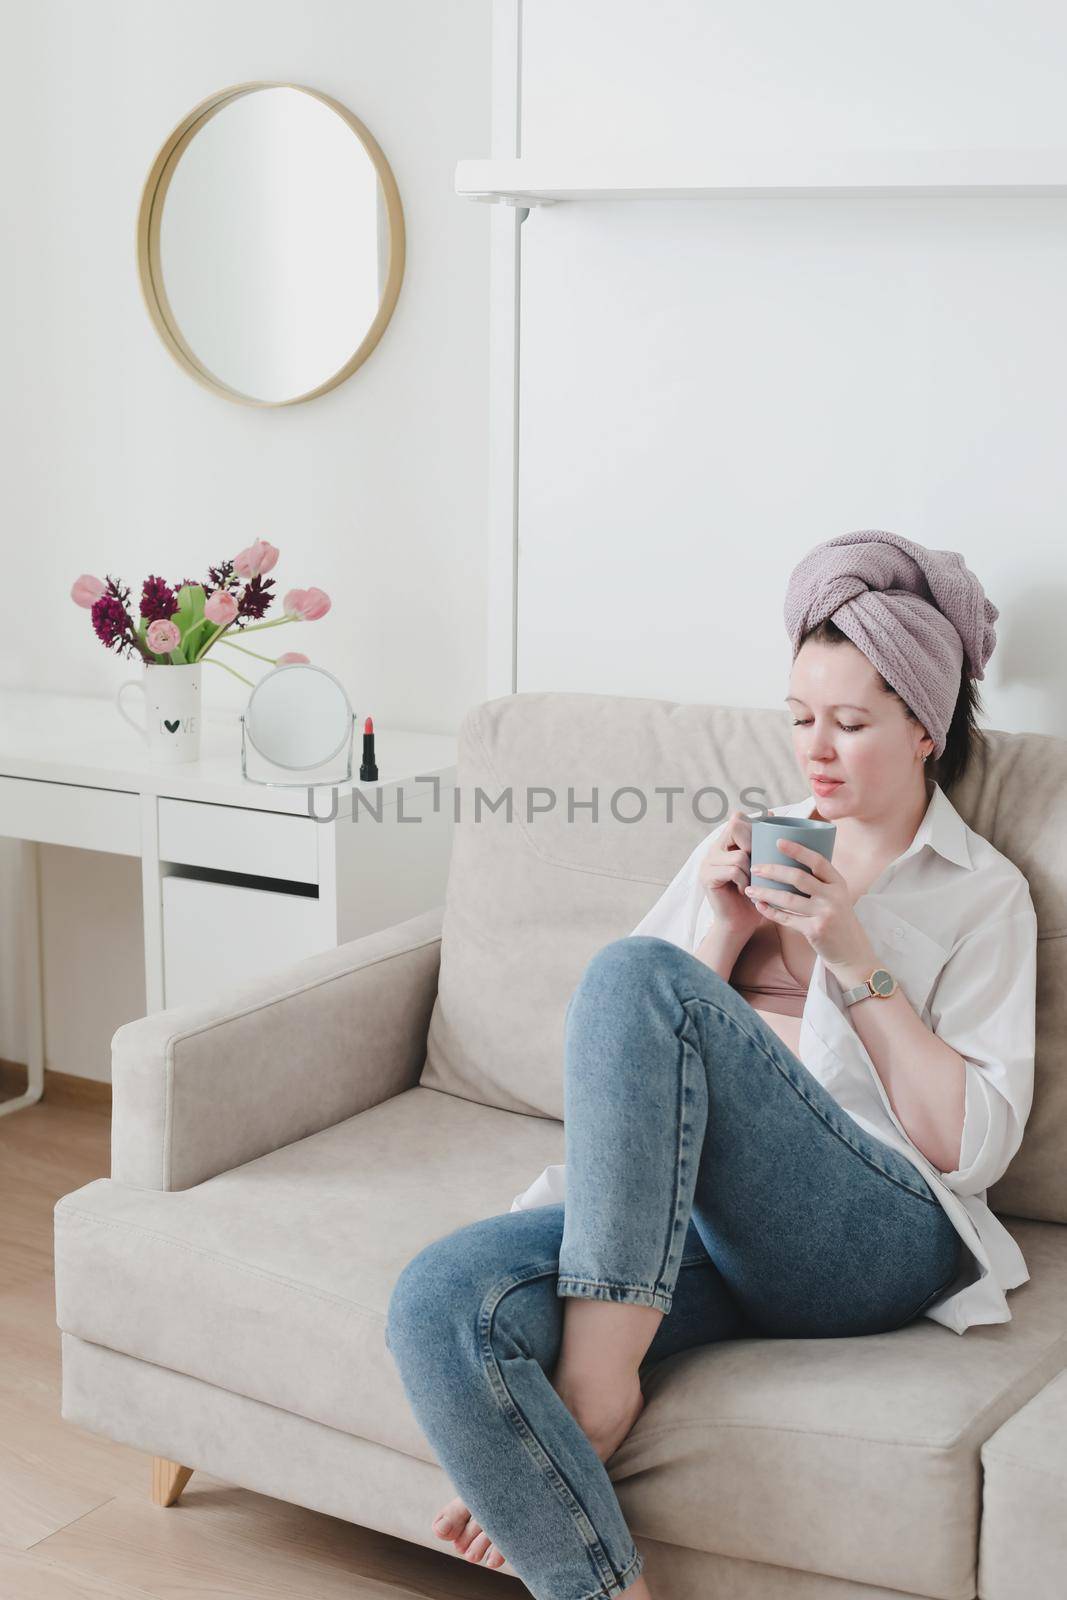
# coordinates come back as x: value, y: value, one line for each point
x: 368, y: 771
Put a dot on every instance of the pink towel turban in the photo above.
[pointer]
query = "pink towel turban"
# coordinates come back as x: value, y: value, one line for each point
x: 916, y: 614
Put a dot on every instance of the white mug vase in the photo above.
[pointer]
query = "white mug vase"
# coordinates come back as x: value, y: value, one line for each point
x: 171, y: 728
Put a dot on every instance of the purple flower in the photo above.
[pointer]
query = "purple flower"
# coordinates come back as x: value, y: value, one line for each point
x: 222, y: 577
x: 256, y: 598
x: 158, y: 600
x: 112, y: 621
x: 109, y: 619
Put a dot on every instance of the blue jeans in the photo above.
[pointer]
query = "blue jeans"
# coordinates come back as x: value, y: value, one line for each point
x: 709, y: 1174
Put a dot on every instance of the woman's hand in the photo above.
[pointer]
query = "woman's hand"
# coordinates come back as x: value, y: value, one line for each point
x: 824, y: 915
x: 724, y: 874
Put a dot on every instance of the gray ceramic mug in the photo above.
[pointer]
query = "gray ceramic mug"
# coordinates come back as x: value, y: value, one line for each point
x: 806, y: 830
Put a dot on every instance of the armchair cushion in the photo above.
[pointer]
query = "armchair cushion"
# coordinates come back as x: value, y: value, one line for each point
x: 199, y: 1089
x: 1023, y: 1553
x: 273, y: 1279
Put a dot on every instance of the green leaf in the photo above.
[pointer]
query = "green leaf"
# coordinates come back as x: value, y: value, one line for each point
x: 190, y: 610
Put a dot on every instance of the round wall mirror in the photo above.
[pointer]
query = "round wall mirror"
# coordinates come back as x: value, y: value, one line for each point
x: 271, y: 243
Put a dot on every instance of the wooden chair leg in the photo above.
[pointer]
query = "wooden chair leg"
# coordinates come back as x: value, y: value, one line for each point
x: 168, y: 1480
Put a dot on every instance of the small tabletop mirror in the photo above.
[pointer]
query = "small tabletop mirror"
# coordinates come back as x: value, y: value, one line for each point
x: 270, y: 243
x: 298, y: 719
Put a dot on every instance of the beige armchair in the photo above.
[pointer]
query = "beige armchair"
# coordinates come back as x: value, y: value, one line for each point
x: 278, y: 1158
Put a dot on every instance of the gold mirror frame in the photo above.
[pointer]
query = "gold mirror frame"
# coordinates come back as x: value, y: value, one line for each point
x: 150, y: 266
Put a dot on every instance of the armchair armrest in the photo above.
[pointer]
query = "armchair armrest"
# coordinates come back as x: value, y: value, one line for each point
x: 198, y: 1089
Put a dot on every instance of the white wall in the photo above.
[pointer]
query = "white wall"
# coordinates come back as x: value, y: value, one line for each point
x: 116, y: 460
x: 708, y: 389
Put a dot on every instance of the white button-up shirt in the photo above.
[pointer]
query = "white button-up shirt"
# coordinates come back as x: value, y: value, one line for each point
x: 953, y: 920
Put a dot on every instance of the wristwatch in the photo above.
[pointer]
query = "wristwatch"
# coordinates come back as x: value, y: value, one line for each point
x: 881, y: 984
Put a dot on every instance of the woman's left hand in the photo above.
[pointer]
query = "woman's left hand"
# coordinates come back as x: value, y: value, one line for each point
x: 822, y: 911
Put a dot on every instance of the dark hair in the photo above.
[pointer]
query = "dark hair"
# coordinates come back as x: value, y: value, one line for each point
x: 963, y: 734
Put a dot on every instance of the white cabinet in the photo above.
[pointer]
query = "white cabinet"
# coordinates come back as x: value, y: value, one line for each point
x: 216, y: 935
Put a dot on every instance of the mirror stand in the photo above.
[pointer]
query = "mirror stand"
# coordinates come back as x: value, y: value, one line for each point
x: 305, y: 782
x: 298, y: 720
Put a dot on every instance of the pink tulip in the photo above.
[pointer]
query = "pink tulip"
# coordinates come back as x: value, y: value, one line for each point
x: 163, y: 636
x: 85, y: 590
x: 292, y: 658
x: 260, y: 557
x: 307, y: 604
x: 221, y: 607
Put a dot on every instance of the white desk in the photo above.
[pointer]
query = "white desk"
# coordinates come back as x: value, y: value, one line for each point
x: 236, y: 878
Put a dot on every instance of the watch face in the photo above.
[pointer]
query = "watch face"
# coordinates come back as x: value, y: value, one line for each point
x: 882, y: 981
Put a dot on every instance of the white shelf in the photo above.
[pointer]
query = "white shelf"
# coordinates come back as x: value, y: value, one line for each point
x: 976, y: 174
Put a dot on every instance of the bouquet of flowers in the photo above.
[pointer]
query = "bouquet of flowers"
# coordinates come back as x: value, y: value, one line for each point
x: 178, y: 624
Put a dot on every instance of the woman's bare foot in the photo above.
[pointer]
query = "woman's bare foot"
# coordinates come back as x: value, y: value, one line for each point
x: 606, y: 1422
x: 467, y: 1535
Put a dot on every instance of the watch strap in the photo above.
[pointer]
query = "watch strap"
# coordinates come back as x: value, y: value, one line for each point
x: 866, y: 989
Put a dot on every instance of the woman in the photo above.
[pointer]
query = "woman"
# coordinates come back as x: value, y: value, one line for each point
x: 716, y: 1189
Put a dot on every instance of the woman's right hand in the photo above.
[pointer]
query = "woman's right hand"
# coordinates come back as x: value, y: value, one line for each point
x: 725, y: 873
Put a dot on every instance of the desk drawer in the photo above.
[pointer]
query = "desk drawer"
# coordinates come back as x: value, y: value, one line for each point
x: 72, y: 814
x: 266, y: 844
x: 217, y: 936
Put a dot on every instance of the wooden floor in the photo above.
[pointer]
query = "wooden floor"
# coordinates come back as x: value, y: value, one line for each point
x: 76, y: 1515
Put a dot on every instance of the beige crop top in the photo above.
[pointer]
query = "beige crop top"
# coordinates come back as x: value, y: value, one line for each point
x: 762, y: 978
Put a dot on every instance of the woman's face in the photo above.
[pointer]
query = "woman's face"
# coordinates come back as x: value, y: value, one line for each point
x: 847, y: 727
